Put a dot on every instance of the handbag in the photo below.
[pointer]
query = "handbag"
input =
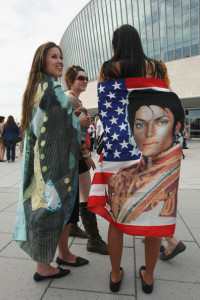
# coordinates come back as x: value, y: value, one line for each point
x: 17, y: 140
x: 186, y: 135
x: 100, y: 145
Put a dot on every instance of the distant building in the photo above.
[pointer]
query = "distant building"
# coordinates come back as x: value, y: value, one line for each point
x: 169, y: 30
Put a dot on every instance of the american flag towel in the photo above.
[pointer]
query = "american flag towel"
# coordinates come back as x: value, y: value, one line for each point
x: 136, y: 181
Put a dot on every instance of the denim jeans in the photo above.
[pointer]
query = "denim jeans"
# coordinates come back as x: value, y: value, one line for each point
x: 10, y: 147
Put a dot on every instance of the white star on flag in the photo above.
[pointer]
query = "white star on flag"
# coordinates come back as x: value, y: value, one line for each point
x: 124, y: 101
x: 107, y: 104
x: 107, y: 129
x: 116, y: 85
x: 105, y: 138
x: 114, y: 120
x: 108, y: 145
x: 123, y: 126
x: 101, y: 88
x: 119, y: 111
x: 124, y: 144
x: 116, y: 154
x: 103, y: 113
x: 132, y: 152
x: 105, y: 154
x: 111, y: 95
x: 115, y: 136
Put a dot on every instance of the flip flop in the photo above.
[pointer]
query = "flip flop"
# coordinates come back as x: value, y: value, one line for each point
x: 179, y: 248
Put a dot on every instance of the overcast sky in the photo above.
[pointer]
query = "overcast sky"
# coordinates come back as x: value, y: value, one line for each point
x: 24, y: 26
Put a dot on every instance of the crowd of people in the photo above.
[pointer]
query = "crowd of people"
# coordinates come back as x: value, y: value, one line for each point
x: 58, y: 136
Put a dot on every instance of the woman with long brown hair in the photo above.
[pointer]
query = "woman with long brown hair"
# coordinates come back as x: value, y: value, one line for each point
x: 49, y: 179
x: 10, y: 137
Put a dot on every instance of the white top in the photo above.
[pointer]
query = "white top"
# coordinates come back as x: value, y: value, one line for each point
x: 91, y: 129
x: 101, y: 128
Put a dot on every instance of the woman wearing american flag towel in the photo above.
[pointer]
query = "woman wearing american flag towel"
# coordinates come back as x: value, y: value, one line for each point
x: 127, y: 64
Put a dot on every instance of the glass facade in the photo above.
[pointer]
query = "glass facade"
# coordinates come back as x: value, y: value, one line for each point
x: 169, y: 29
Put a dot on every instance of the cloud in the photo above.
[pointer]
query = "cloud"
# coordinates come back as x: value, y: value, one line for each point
x: 25, y: 25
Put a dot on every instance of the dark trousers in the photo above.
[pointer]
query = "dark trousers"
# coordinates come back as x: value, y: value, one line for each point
x: 91, y: 144
x: 10, y: 147
x: 184, y: 145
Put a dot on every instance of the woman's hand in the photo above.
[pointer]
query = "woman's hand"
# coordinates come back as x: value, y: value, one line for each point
x: 90, y: 163
x: 85, y: 122
x: 78, y: 111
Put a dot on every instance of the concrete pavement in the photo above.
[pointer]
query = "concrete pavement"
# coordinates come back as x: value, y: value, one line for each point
x: 176, y: 279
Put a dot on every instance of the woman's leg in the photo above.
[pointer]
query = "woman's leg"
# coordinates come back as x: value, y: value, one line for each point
x: 115, y: 245
x: 152, y: 249
x: 63, y: 253
x: 63, y: 249
x: 8, y: 150
x: 84, y: 186
x: 95, y: 242
x: 1, y: 150
x: 46, y: 269
x: 13, y: 146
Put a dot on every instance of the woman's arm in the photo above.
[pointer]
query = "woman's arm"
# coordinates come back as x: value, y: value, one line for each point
x: 100, y: 78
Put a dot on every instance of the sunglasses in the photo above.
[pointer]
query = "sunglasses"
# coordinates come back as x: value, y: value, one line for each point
x: 82, y: 78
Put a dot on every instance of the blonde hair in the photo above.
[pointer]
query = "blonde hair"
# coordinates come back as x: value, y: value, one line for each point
x: 164, y: 71
x: 35, y: 76
x: 71, y: 74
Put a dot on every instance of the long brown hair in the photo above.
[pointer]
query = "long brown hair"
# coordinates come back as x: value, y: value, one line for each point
x: 35, y: 76
x: 10, y: 122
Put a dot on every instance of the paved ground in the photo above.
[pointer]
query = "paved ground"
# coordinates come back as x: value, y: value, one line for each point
x: 174, y: 280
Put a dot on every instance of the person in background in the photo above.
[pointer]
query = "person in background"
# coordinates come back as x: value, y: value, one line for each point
x: 99, y: 127
x: 95, y: 140
x: 77, y: 80
x: 91, y: 131
x: 49, y: 180
x: 10, y: 137
x: 186, y: 135
x: 2, y: 147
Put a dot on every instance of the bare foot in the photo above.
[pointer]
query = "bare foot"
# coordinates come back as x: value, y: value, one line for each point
x: 172, y: 242
x: 147, y: 279
x: 116, y: 276
x: 46, y: 270
x: 68, y: 256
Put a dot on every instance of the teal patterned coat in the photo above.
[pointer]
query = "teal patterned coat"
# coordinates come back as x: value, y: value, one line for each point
x: 49, y: 172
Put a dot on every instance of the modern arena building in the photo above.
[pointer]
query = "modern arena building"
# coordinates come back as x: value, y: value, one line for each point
x: 169, y: 30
